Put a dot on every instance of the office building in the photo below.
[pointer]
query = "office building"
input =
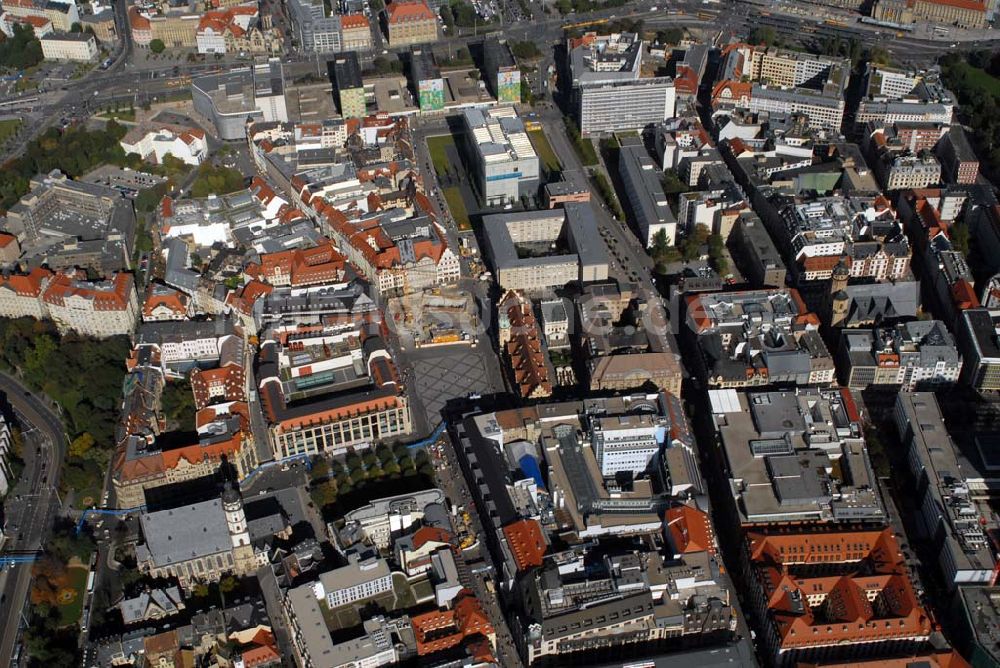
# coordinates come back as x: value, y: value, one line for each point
x: 410, y: 22
x: 953, y: 492
x: 66, y: 224
x: 355, y: 33
x: 860, y: 604
x: 646, y: 198
x: 359, y: 580
x: 912, y: 355
x: 796, y: 456
x: 330, y: 389
x: 957, y: 157
x: 428, y: 84
x: 758, y: 337
x: 382, y: 520
x: 979, y: 344
x: 611, y: 88
x: 21, y: 294
x: 228, y: 100
x: 348, y: 85
x: 505, y: 161
x: 756, y: 253
x: 6, y: 454
x: 77, y: 47
x: 822, y: 110
x: 520, y: 248
x: 316, y: 32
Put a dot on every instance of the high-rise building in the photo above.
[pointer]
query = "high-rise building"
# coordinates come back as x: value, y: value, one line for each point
x: 610, y: 89
x: 502, y: 73
x: 349, y: 85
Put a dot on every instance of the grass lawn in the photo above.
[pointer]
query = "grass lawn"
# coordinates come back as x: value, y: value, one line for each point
x: 422, y: 590
x: 123, y: 115
x: 8, y: 128
x: 550, y: 163
x: 71, y: 611
x: 438, y: 147
x: 456, y: 205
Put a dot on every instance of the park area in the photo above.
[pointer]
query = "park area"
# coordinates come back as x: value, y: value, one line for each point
x: 8, y: 128
x: 439, y: 147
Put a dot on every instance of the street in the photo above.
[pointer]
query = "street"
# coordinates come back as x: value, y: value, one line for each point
x: 32, y: 503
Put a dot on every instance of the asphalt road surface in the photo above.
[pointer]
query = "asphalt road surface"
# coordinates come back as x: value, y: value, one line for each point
x: 32, y: 503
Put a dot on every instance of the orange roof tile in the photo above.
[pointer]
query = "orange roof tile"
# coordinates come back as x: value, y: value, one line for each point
x: 690, y: 529
x: 527, y: 542
x: 406, y: 11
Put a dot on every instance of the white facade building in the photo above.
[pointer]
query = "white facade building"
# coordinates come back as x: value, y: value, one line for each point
x: 77, y: 47
x: 357, y: 581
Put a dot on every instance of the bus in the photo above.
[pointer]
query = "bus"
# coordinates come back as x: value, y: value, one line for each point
x: 90, y: 582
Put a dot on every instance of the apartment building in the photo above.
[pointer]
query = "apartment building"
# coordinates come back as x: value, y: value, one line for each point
x: 411, y: 22
x: 92, y: 308
x: 75, y: 47
x: 507, y: 167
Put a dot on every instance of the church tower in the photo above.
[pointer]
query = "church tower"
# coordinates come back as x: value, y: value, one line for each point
x: 236, y: 519
x: 838, y: 299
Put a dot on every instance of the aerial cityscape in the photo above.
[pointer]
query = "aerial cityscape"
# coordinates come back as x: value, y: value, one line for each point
x: 513, y: 333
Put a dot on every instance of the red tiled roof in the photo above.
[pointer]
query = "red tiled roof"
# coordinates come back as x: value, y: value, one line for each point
x: 112, y: 298
x: 27, y: 285
x: 137, y: 21
x: 440, y: 630
x: 354, y: 21
x: 690, y: 529
x: 175, y: 300
x: 405, y: 11
x: 527, y: 542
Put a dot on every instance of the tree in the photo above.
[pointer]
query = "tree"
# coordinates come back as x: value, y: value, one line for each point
x: 762, y: 35
x: 227, y: 584
x: 671, y: 35
x: 81, y: 445
x: 525, y: 50
x: 157, y: 46
x: 22, y: 50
